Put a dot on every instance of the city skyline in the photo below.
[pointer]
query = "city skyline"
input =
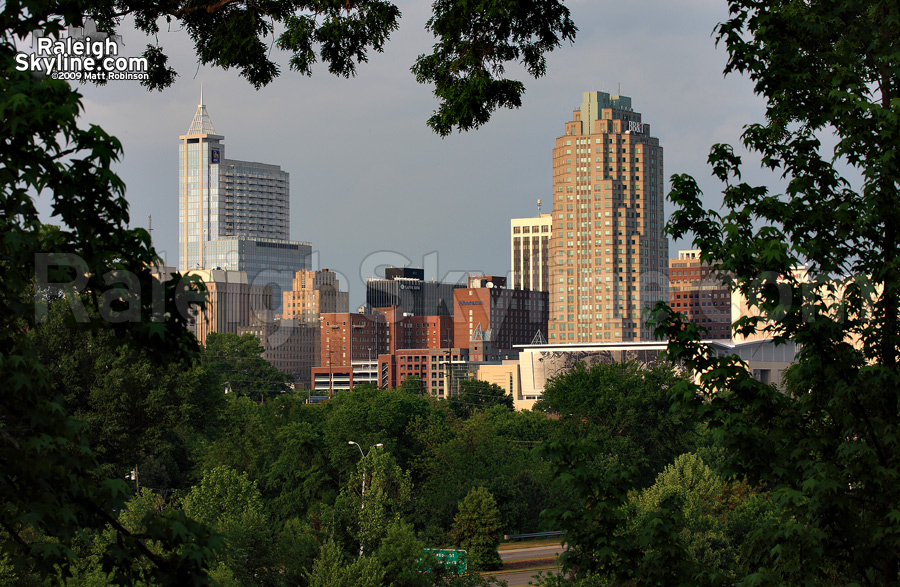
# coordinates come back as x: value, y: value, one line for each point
x: 372, y: 186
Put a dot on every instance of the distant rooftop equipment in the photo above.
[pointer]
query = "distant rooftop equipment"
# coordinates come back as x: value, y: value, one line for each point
x: 404, y: 273
x: 489, y: 281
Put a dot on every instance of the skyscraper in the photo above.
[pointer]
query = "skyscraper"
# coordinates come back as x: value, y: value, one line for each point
x: 234, y: 215
x: 609, y: 258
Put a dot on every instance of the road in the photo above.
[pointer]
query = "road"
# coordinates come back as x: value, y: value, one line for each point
x: 521, y: 578
x: 518, y: 554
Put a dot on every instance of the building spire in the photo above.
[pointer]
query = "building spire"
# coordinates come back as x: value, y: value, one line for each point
x: 201, y: 123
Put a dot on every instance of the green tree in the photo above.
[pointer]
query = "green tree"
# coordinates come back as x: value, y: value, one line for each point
x: 476, y: 529
x: 139, y: 410
x: 331, y: 568
x: 231, y: 504
x: 91, y: 570
x: 479, y: 395
x: 413, y: 385
x: 244, y: 441
x: 368, y: 516
x: 828, y: 446
x: 523, y: 426
x: 240, y: 366
x: 487, y: 449
x: 370, y: 416
x: 50, y: 486
x: 721, y: 519
x: 299, y: 474
x: 399, y: 554
x: 296, y: 548
x: 626, y: 411
x: 474, y: 42
x: 599, y: 548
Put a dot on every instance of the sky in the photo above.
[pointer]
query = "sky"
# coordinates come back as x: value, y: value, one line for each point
x: 372, y: 186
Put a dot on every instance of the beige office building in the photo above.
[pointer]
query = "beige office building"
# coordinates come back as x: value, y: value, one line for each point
x: 609, y: 258
x: 314, y: 293
x: 232, y: 303
x: 529, y: 246
x: 293, y: 345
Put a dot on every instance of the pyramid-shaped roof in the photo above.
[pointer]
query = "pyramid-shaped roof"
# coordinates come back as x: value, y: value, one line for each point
x: 201, y: 123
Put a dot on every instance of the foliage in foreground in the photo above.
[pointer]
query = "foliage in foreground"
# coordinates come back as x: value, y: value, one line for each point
x: 826, y: 448
x: 693, y: 526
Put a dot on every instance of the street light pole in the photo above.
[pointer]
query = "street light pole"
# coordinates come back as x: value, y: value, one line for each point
x: 362, y: 506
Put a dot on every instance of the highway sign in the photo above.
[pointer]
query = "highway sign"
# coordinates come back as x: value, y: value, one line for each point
x: 450, y: 559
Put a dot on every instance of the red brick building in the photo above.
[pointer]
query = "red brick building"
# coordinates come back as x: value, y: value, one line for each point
x: 431, y: 366
x: 696, y: 292
x: 490, y: 319
x: 387, y: 346
x: 353, y: 345
x: 608, y: 254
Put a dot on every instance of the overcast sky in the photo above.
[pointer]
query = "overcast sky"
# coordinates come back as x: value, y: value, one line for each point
x: 372, y: 185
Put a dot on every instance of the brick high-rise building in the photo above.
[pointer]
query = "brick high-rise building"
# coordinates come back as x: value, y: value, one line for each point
x: 347, y: 337
x: 609, y: 258
x: 434, y: 367
x: 366, y: 348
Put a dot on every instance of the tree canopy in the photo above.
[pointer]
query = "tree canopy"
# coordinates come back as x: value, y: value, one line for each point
x: 827, y: 446
x: 818, y: 265
x: 474, y: 43
x: 476, y: 529
x: 240, y: 366
x: 479, y: 395
x: 625, y: 410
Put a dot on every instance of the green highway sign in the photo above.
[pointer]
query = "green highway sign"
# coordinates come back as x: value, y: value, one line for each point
x: 452, y: 560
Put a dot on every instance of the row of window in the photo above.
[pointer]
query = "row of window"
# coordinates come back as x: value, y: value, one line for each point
x: 529, y: 229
